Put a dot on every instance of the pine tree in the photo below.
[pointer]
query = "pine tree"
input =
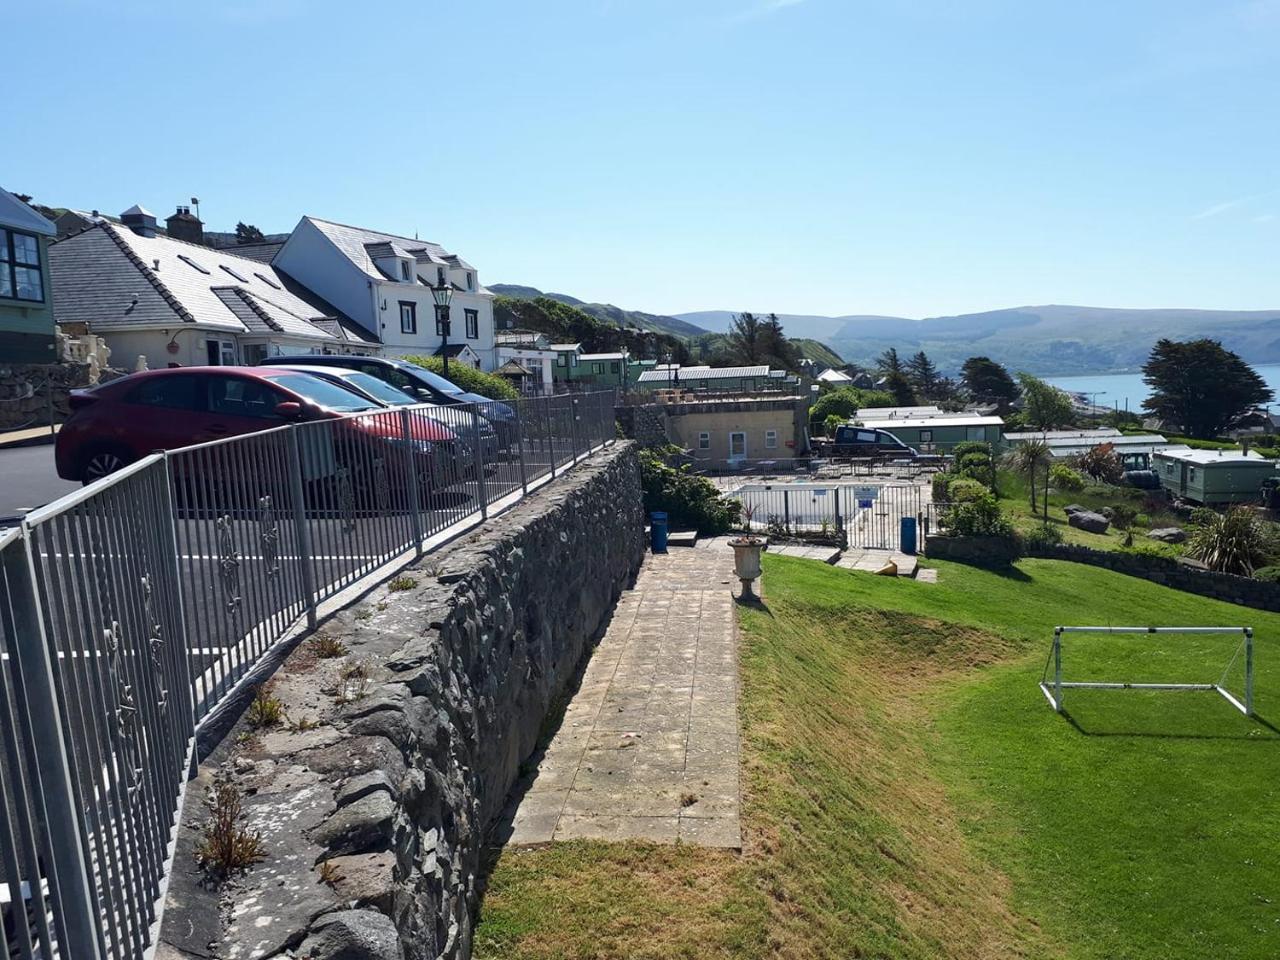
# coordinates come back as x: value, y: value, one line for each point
x: 923, y: 374
x: 889, y: 362
x: 746, y: 339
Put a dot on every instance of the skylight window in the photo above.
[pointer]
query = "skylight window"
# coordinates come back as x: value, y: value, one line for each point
x: 233, y: 273
x: 192, y: 264
x: 268, y: 281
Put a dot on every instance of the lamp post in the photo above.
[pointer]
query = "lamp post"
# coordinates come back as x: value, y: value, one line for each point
x: 443, y: 294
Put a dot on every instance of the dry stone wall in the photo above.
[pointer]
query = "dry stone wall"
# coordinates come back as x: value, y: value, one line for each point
x: 401, y: 752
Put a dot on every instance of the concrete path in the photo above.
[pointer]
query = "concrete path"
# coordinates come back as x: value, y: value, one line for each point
x: 649, y: 744
x: 805, y: 552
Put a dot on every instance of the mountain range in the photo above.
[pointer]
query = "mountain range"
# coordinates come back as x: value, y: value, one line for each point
x: 1052, y: 339
x: 604, y: 311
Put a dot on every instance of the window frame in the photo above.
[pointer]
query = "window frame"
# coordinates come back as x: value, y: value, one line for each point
x: 10, y: 264
x: 406, y: 275
x: 926, y: 436
x: 412, y: 328
x: 704, y: 439
x: 771, y: 439
x: 472, y: 318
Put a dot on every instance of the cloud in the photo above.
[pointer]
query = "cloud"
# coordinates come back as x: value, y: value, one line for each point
x: 764, y: 8
x: 1219, y: 208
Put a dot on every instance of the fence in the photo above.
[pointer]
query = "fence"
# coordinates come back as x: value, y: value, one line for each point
x: 131, y: 609
x: 867, y: 515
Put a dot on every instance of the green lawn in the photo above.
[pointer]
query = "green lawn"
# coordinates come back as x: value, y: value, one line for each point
x: 908, y: 792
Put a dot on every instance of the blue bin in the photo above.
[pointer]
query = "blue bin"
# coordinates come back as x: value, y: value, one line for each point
x: 907, y: 538
x: 658, y: 531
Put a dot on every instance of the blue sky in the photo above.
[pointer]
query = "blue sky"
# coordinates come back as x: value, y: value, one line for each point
x: 907, y: 157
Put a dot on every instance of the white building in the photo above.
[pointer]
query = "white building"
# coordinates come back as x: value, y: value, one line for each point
x: 175, y: 303
x: 383, y: 282
x: 532, y: 351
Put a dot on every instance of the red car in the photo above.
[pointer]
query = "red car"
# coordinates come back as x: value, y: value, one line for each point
x: 118, y: 422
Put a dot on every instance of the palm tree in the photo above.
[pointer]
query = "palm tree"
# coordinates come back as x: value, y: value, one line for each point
x: 1027, y: 459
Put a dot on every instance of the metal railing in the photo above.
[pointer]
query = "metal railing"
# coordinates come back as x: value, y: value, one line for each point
x: 860, y: 515
x: 131, y: 609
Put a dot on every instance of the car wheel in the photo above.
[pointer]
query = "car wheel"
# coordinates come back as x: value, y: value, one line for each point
x: 103, y: 462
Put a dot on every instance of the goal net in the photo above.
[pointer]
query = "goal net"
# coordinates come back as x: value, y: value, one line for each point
x: 1237, y: 674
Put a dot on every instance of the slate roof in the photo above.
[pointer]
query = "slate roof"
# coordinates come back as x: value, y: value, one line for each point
x: 452, y: 350
x: 262, y: 252
x: 14, y: 213
x: 356, y: 241
x: 115, y: 279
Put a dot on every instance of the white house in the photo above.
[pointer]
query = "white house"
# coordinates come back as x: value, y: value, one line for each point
x: 175, y: 303
x: 383, y: 282
x: 532, y: 351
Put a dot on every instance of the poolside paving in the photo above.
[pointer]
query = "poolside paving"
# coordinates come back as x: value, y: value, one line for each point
x: 649, y: 745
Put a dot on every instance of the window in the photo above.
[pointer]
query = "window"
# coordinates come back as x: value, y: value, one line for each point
x: 1191, y: 474
x: 573, y: 359
x: 168, y: 392
x: 613, y: 367
x: 192, y: 264
x: 471, y: 281
x: 243, y: 397
x: 404, y: 271
x: 473, y: 324
x: 975, y: 433
x: 704, y: 440
x: 408, y: 317
x: 926, y: 436
x: 233, y: 273
x: 597, y: 368
x: 220, y: 353
x: 20, y: 276
x: 771, y: 439
x: 254, y: 353
x: 561, y: 360
x: 737, y: 446
x: 268, y: 281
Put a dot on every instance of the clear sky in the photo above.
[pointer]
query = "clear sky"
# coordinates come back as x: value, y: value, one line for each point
x: 908, y: 157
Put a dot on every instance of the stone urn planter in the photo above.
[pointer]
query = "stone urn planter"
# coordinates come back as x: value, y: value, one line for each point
x: 746, y: 562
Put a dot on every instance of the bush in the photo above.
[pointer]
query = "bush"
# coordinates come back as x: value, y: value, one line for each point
x: 1203, y: 516
x: 1102, y: 463
x: 971, y: 446
x: 941, y: 483
x: 1062, y: 477
x: 979, y: 518
x: 974, y: 462
x: 470, y: 379
x: 1042, y: 535
x: 966, y: 490
x: 1235, y: 542
x: 1267, y: 574
x: 688, y: 500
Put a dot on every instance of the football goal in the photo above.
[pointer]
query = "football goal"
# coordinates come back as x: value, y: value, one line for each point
x: 1053, y: 687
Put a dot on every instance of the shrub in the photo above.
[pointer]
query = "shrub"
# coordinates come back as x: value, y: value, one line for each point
x: 966, y: 490
x: 941, y: 483
x: 979, y: 518
x: 1269, y: 574
x: 1062, y: 477
x: 470, y: 379
x: 226, y: 845
x: 971, y: 446
x: 266, y: 710
x: 1235, y: 542
x: 688, y: 500
x: 1203, y: 516
x: 1042, y: 535
x: 1102, y: 463
x: 975, y: 464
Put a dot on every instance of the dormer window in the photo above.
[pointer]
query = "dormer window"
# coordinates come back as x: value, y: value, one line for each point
x: 405, y: 275
x: 471, y: 280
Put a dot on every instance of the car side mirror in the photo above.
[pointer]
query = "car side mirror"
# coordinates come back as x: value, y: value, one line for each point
x: 289, y: 409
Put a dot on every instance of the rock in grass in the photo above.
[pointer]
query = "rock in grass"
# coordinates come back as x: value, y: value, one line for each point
x: 1169, y: 535
x: 1088, y: 521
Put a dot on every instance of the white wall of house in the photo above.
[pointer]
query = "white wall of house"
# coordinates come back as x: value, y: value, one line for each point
x: 317, y: 264
x: 190, y: 346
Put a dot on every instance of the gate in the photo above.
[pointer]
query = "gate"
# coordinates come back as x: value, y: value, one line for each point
x: 875, y: 522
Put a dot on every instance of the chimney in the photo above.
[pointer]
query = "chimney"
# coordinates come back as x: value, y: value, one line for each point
x: 184, y: 225
x: 140, y: 220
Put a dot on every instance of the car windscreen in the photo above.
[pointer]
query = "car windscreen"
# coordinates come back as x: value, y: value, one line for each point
x: 379, y: 389
x: 436, y: 381
x: 323, y: 392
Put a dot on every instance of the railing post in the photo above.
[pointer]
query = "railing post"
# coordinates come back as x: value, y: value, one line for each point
x: 573, y: 433
x: 1248, y: 671
x: 77, y: 910
x: 415, y: 492
x: 479, y: 460
x: 302, y: 532
x: 169, y: 544
x: 786, y: 509
x: 524, y: 479
x: 551, y: 442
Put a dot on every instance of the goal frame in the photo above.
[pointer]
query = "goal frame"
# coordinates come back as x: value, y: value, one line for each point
x: 1053, y: 692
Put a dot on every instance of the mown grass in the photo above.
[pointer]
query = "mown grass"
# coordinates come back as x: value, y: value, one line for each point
x: 908, y: 793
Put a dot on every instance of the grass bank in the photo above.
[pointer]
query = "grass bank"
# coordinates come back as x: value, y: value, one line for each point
x: 908, y: 793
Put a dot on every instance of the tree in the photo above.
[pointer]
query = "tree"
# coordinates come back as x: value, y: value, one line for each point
x: 897, y: 384
x: 845, y: 402
x: 248, y: 233
x: 988, y: 382
x: 1027, y: 460
x: 889, y: 362
x: 1044, y: 407
x: 746, y: 339
x: 775, y: 348
x: 923, y: 374
x: 1201, y: 387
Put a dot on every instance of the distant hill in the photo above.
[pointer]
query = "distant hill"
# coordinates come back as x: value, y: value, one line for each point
x: 605, y: 311
x: 817, y: 351
x: 1052, y: 339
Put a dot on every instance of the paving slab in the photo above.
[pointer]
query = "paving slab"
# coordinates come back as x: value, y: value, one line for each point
x: 869, y: 561
x: 806, y: 552
x: 649, y: 745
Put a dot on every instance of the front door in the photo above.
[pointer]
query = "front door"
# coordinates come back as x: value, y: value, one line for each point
x: 737, y: 446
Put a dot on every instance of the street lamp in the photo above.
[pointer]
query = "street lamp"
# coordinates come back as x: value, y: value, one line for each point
x: 443, y: 294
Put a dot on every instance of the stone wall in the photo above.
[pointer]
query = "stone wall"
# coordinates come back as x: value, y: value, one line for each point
x: 646, y: 424
x: 987, y: 551
x: 29, y: 391
x: 401, y: 752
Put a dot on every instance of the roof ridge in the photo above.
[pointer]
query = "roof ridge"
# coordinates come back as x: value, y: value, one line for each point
x: 381, y: 233
x: 146, y: 271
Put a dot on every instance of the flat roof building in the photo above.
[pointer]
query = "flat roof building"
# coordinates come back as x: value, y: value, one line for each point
x: 1212, y: 477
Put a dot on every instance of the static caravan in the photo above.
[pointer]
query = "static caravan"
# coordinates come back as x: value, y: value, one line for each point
x: 1212, y: 477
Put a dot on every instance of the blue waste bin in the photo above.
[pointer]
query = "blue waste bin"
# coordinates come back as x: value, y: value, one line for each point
x: 907, y: 537
x: 658, y: 531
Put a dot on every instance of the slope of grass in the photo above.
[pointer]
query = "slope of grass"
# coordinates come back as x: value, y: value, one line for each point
x: 908, y: 793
